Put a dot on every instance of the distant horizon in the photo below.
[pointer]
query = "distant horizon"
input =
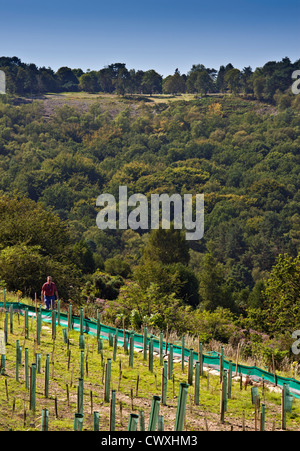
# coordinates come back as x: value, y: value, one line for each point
x: 56, y: 67
x: 163, y: 35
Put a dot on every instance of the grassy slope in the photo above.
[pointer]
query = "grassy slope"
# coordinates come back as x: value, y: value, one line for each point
x: 197, y: 417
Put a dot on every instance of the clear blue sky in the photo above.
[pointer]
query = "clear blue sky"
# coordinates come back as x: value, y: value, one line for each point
x: 157, y: 34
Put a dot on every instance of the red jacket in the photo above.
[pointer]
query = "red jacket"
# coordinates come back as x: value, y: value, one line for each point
x: 49, y: 288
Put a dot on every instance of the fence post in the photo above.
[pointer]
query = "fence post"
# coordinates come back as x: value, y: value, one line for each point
x: 180, y: 414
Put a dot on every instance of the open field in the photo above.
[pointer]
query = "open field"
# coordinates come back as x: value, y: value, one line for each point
x: 134, y: 387
x: 109, y: 102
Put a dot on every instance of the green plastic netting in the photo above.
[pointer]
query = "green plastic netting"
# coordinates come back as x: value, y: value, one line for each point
x: 213, y: 360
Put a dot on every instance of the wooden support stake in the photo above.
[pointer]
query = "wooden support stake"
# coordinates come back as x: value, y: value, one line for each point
x: 26, y: 324
x: 112, y: 413
x: 47, y: 376
x: 68, y: 395
x: 137, y: 386
x: 56, y: 407
x: 182, y: 352
x: 170, y: 362
x: 91, y: 400
x: 164, y: 383
x: 197, y: 384
x: 237, y: 358
x: 145, y: 343
x: 262, y: 417
x: 151, y: 355
x: 131, y: 348
x: 115, y: 346
x: 161, y: 350
x: 6, y: 389
x: 11, y: 313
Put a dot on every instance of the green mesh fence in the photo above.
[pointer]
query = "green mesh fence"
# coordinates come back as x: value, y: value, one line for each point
x: 212, y: 359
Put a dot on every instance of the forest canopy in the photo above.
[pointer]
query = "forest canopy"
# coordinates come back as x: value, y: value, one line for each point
x: 263, y: 82
x: 238, y: 142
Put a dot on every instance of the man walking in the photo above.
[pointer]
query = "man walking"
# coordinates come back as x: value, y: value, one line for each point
x: 49, y: 291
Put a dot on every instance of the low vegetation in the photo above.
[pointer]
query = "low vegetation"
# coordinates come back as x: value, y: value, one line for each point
x: 134, y: 388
